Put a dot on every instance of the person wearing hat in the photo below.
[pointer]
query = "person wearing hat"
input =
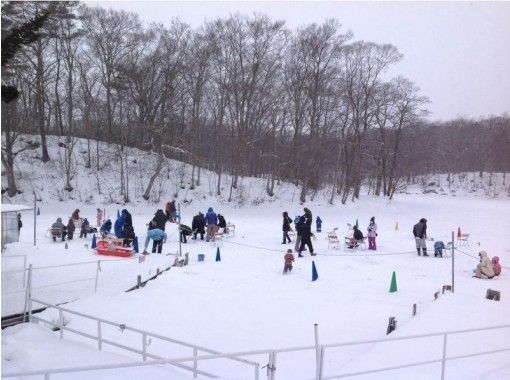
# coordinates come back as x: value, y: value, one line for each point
x: 198, y: 226
x: 372, y: 233
x: 420, y: 234
x: 485, y: 268
x: 288, y: 260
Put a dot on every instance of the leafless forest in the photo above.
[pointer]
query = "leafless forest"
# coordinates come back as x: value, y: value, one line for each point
x: 243, y: 96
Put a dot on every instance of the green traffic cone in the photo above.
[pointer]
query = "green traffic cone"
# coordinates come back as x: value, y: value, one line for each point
x: 393, y: 286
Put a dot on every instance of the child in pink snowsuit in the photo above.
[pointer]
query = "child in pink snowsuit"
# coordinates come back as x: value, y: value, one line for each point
x: 372, y: 233
x: 496, y: 265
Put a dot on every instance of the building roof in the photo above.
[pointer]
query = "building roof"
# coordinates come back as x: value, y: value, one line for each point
x: 7, y: 207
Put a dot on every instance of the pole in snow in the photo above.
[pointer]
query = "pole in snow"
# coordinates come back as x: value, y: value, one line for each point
x: 35, y: 216
x: 453, y: 262
x: 179, y: 218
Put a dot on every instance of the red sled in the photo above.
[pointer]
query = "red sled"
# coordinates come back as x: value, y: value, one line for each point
x: 110, y: 248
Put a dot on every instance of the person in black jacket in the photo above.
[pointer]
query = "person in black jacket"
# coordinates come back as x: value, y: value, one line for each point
x: 286, y: 227
x: 159, y: 220
x: 222, y: 223
x: 185, y: 231
x: 198, y: 226
x: 420, y: 234
x: 306, y: 233
x: 128, y: 219
x: 357, y: 236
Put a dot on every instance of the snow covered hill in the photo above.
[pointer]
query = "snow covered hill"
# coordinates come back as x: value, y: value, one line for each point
x: 102, y: 187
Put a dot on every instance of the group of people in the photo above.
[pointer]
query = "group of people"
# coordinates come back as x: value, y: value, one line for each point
x: 208, y: 225
x: 303, y: 225
x: 122, y: 228
x: 487, y: 268
x: 75, y: 222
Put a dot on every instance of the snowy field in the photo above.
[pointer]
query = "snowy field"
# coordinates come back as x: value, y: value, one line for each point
x: 244, y: 303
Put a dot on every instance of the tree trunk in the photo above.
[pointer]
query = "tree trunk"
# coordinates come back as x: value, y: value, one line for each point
x: 218, y: 190
x: 9, y: 168
x: 40, y: 102
x: 157, y: 172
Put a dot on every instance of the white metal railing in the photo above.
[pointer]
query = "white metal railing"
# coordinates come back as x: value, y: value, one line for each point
x: 24, y: 270
x: 144, y: 335
x: 272, y: 354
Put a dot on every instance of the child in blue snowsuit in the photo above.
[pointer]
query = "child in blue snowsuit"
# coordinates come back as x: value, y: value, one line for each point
x: 318, y: 222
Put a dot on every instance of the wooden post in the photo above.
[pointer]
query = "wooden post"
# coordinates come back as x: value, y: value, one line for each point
x: 61, y: 323
x: 453, y: 262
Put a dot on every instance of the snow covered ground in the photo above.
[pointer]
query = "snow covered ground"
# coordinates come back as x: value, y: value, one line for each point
x: 244, y: 303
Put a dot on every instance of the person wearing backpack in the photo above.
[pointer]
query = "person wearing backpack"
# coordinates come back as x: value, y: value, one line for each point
x: 306, y: 233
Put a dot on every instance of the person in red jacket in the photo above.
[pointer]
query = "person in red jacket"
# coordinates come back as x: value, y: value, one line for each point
x: 289, y: 259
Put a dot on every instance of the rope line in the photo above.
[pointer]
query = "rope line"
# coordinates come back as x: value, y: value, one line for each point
x: 322, y: 254
x: 475, y: 257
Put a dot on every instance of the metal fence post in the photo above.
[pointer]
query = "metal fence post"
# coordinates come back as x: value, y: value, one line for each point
x: 28, y: 302
x: 24, y: 269
x: 317, y: 351
x: 144, y: 347
x: 99, y: 337
x: 443, y: 363
x: 271, y: 365
x: 195, y: 363
x: 97, y: 274
x: 321, y: 362
x: 61, y: 323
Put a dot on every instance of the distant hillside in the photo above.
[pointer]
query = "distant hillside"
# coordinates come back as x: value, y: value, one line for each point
x: 103, y: 186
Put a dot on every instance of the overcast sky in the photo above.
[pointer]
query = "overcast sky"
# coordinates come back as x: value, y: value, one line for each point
x: 458, y: 53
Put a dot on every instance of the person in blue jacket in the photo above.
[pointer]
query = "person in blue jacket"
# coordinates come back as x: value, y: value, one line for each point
x: 318, y: 223
x: 119, y: 224
x: 158, y: 236
x: 106, y: 228
x: 211, y: 220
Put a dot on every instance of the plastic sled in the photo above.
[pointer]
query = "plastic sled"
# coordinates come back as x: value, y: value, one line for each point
x: 110, y: 248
